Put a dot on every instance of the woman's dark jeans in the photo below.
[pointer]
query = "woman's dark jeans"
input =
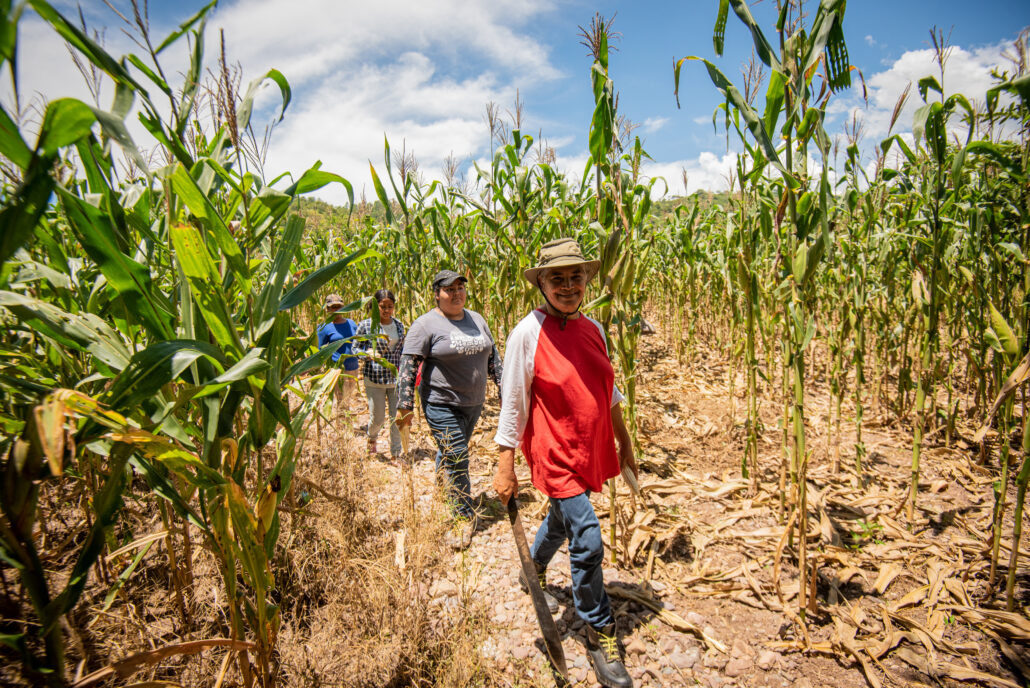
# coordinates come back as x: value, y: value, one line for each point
x: 452, y: 428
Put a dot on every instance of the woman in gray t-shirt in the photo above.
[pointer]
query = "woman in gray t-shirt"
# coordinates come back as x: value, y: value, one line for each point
x: 457, y: 353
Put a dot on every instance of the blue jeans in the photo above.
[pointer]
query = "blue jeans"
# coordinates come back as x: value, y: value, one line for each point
x: 573, y: 518
x: 452, y: 428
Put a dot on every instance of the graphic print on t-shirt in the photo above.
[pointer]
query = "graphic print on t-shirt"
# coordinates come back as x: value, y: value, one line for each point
x: 464, y: 344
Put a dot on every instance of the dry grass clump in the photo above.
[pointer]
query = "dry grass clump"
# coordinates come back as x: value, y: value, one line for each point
x: 353, y: 612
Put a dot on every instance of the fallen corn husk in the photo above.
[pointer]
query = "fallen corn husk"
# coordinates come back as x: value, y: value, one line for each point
x: 631, y: 480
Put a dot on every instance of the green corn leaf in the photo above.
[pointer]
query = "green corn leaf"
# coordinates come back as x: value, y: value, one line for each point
x: 827, y: 40
x: 12, y: 145
x: 154, y: 367
x: 182, y: 463
x: 83, y: 331
x: 156, y: 477
x: 131, y: 280
x: 275, y: 405
x: 315, y: 361
x: 114, y: 128
x: 287, y: 442
x: 1013, y: 250
x: 65, y: 121
x: 287, y: 248
x: 186, y: 26
x: 246, y: 106
x: 197, y: 201
x: 381, y: 194
x: 139, y: 64
x: 84, y: 44
x: 192, y: 81
x: 774, y: 95
x: 800, y: 263
x: 1019, y: 86
x: 992, y: 340
x: 124, y: 576
x: 11, y: 15
x: 303, y: 291
x: 25, y: 207
x: 600, y: 302
x: 602, y: 124
x: 719, y: 34
x: 314, y: 179
x: 809, y: 333
x: 762, y: 46
x: 205, y: 286
x: 997, y: 154
x: 407, y: 182
x: 15, y: 641
x: 751, y: 119
x: 928, y: 83
x: 250, y: 364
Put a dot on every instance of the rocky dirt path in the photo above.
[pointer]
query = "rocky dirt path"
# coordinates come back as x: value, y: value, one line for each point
x: 704, y: 553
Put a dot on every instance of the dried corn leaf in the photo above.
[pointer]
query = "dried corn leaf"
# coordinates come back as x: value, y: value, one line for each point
x: 894, y: 529
x: 671, y: 618
x: 824, y: 647
x: 939, y: 670
x: 913, y: 598
x: 888, y: 572
x: 1012, y: 655
x: 850, y: 572
x: 641, y: 536
x: 846, y: 636
x: 958, y: 591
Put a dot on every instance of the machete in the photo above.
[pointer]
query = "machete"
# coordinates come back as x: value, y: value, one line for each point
x: 552, y: 640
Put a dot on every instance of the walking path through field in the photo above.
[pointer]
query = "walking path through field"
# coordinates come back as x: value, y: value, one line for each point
x: 705, y: 589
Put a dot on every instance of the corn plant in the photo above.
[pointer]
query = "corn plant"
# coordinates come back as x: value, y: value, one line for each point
x: 802, y: 218
x: 164, y: 300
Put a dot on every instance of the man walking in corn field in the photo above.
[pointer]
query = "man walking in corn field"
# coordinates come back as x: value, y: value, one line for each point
x: 559, y: 403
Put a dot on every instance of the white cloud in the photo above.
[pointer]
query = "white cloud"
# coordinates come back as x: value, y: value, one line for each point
x: 313, y: 37
x: 653, y: 124
x: 343, y: 122
x: 967, y: 72
x: 419, y: 73
x: 870, y: 40
x: 708, y: 171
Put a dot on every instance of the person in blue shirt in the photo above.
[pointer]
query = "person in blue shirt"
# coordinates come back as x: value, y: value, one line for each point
x: 340, y: 327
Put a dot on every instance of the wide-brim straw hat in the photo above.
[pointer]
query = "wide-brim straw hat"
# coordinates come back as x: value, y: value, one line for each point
x: 333, y: 300
x: 560, y: 253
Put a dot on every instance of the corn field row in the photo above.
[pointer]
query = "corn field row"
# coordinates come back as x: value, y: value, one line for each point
x: 159, y: 309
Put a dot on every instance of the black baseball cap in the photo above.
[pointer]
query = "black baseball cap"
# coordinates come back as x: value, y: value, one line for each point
x: 446, y: 278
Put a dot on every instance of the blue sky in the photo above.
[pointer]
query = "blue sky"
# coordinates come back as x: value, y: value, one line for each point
x: 422, y: 72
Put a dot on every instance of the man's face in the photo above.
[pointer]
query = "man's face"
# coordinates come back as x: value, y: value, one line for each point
x: 564, y: 287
